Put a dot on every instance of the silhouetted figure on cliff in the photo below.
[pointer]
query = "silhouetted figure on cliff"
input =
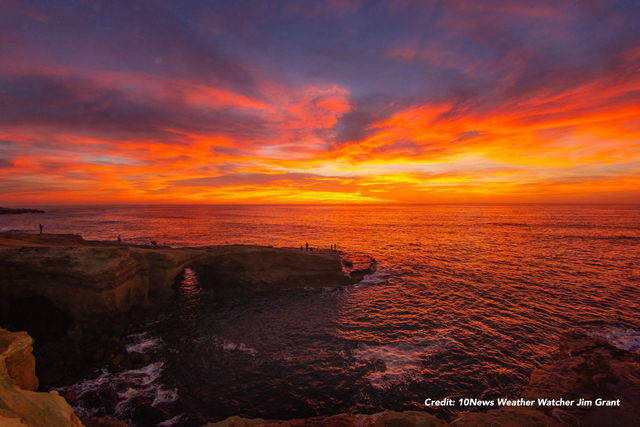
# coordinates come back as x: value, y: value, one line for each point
x: 40, y: 228
x: 119, y: 239
x: 307, y: 245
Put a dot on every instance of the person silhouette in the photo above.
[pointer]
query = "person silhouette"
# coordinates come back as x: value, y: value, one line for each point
x: 40, y: 228
x: 307, y: 245
x: 119, y: 239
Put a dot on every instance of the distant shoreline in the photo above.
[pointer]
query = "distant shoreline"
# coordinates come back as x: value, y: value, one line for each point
x: 11, y: 211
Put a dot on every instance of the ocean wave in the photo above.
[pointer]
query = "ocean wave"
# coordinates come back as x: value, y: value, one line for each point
x: 400, y: 361
x: 142, y: 343
x: 231, y: 346
x: 145, y: 381
x: 172, y: 421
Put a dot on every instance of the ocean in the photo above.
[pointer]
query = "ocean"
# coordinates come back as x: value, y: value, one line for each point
x: 466, y: 302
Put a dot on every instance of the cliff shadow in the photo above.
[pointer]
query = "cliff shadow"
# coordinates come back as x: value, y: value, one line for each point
x: 198, y: 281
x: 38, y: 316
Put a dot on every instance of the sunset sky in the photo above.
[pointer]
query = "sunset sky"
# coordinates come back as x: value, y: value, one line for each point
x: 319, y: 101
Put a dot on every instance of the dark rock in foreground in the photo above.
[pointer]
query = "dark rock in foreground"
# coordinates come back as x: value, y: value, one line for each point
x: 587, y: 368
x: 382, y: 419
x: 10, y: 211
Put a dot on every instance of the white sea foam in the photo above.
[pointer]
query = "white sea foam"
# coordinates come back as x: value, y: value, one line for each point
x: 139, y: 382
x: 624, y: 339
x: 143, y: 382
x: 402, y: 360
x: 165, y: 396
x: 142, y: 377
x: 231, y: 346
x: 171, y: 421
x: 142, y: 343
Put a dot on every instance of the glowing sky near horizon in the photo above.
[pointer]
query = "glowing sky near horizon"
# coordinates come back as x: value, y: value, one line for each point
x: 319, y: 101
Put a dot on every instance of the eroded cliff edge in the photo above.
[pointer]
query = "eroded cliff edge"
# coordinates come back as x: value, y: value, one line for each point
x: 20, y: 405
x: 95, y: 282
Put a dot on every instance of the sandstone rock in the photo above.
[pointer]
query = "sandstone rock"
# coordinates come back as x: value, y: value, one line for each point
x: 91, y: 281
x: 70, y: 397
x: 506, y: 417
x: 102, y: 422
x: 236, y: 421
x: 119, y: 358
x: 254, y: 269
x: 22, y: 407
x: 17, y: 358
x: 566, y: 418
x: 8, y: 419
x: 382, y: 419
x: 94, y: 282
x: 597, y: 370
x: 575, y: 343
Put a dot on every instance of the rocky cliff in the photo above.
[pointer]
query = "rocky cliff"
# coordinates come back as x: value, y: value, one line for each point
x: 256, y: 268
x: 91, y: 282
x: 19, y: 404
x: 11, y: 211
x: 94, y: 282
x: 382, y: 419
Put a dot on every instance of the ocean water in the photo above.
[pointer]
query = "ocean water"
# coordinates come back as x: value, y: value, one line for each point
x: 466, y: 302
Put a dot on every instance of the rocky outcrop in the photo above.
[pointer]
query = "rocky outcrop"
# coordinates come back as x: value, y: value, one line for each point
x: 91, y: 282
x: 257, y: 268
x: 586, y: 368
x: 24, y: 407
x: 10, y: 211
x: 507, y: 417
x: 94, y: 282
x: 590, y: 369
x: 16, y: 359
x: 382, y: 419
